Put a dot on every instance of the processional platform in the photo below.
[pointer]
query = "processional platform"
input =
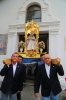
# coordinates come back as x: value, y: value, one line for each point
x: 30, y: 60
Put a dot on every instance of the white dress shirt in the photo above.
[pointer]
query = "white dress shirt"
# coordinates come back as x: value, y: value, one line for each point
x: 47, y: 70
x: 14, y: 68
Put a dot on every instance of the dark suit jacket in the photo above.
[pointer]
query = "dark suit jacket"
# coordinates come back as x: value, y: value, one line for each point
x: 24, y: 78
x: 36, y: 69
x: 10, y: 82
x: 48, y: 84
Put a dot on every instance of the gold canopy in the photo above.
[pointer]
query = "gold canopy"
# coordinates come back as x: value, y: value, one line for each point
x: 32, y: 27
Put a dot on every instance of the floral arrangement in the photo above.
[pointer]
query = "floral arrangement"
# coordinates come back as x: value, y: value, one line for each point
x: 21, y: 44
x: 41, y: 45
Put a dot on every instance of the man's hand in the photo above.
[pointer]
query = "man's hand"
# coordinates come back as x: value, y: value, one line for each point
x: 36, y: 95
x: 18, y: 91
x: 8, y: 64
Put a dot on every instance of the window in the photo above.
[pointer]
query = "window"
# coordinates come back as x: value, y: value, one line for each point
x: 33, y: 12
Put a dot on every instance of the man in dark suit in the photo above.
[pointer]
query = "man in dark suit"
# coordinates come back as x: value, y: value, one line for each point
x: 50, y: 82
x: 36, y: 69
x: 13, y: 79
x: 24, y: 77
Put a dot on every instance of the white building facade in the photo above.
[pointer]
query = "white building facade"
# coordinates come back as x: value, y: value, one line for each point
x: 53, y: 21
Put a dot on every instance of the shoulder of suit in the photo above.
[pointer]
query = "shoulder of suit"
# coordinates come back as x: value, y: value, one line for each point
x: 54, y: 64
x: 21, y: 64
x: 42, y: 65
x: 5, y: 65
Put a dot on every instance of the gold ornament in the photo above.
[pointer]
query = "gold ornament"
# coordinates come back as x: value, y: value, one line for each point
x: 32, y: 27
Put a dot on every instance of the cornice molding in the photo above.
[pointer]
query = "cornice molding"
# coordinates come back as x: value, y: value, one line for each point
x: 41, y: 24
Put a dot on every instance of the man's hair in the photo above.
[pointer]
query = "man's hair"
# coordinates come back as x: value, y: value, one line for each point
x: 20, y: 56
x: 42, y: 54
x: 14, y: 53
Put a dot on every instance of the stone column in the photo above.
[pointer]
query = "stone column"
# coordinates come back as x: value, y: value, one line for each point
x: 53, y: 43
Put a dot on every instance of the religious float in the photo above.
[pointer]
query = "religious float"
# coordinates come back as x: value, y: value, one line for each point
x: 31, y: 48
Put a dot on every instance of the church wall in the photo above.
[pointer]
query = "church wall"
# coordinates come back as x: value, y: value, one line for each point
x: 57, y: 9
x: 9, y: 10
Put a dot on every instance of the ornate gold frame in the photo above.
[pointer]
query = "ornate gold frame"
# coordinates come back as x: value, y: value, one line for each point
x: 32, y: 27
